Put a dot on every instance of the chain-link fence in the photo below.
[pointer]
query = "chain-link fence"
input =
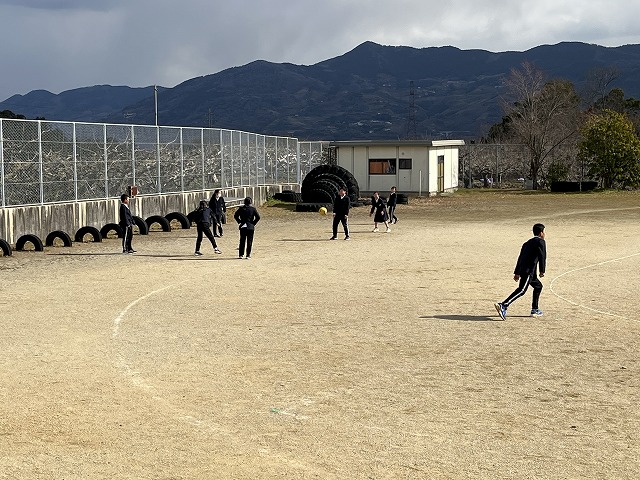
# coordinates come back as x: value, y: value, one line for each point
x: 494, y: 165
x: 46, y: 162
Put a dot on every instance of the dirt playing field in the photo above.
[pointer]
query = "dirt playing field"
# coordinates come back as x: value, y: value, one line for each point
x: 379, y: 358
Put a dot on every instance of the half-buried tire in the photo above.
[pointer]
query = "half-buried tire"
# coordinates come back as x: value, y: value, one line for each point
x: 160, y: 220
x: 5, y: 248
x: 111, y: 227
x: 143, y: 228
x: 33, y: 239
x: 64, y: 236
x: 84, y: 231
x: 180, y: 218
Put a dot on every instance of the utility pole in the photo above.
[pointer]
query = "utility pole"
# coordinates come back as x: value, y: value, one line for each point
x: 210, y: 119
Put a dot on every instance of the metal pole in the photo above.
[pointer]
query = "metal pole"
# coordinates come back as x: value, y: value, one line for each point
x: 75, y: 163
x: 133, y: 156
x: 106, y: 168
x: 155, y: 99
x: 181, y: 161
x: 203, y: 156
x: 158, y: 158
x: 222, y: 176
x: 40, y: 157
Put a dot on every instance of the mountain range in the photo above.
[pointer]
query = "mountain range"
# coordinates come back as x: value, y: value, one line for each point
x: 372, y: 92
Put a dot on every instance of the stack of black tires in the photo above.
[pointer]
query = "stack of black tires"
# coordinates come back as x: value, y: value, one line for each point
x: 321, y: 185
x: 288, y: 196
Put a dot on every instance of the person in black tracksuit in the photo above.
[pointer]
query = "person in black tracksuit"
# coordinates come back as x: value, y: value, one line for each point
x: 392, y: 201
x: 203, y: 223
x: 532, y: 258
x: 341, y: 207
x: 247, y: 218
x: 219, y: 209
x: 126, y: 222
x: 379, y: 207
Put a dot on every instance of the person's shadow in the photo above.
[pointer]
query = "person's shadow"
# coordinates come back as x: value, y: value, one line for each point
x: 464, y: 318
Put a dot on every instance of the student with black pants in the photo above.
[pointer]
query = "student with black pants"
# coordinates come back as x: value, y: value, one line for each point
x: 392, y: 201
x: 533, y: 257
x: 247, y: 218
x: 219, y: 209
x: 203, y: 222
x: 126, y: 222
x: 341, y: 207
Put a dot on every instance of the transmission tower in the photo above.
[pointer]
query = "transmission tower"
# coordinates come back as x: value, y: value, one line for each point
x: 411, y: 118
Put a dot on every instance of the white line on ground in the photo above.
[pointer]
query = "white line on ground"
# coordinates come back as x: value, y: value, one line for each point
x: 584, y: 268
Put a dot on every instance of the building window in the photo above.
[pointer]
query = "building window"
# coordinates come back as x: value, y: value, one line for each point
x: 404, y: 164
x: 382, y: 166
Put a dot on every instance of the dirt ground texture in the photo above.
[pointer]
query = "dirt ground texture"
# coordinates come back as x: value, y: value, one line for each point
x: 379, y: 358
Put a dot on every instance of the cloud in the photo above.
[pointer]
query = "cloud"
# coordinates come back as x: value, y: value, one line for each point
x: 64, y: 44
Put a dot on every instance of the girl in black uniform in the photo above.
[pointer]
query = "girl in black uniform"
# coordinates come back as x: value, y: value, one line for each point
x: 380, y: 208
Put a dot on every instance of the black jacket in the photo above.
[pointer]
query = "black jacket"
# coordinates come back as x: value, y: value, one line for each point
x: 218, y: 205
x: 203, y: 216
x: 341, y: 206
x: 126, y: 219
x: 247, y: 214
x: 393, y: 199
x: 378, y: 206
x: 532, y: 254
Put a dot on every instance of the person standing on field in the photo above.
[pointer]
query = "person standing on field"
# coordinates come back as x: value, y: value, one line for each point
x: 380, y: 209
x: 247, y: 218
x: 219, y: 209
x: 533, y: 257
x: 126, y: 222
x: 203, y: 222
x: 341, y: 207
x: 392, y: 201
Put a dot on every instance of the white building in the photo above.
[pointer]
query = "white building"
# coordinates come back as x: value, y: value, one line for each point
x: 426, y: 167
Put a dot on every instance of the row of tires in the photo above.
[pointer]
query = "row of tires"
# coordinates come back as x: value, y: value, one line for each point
x: 322, y: 184
x: 95, y: 235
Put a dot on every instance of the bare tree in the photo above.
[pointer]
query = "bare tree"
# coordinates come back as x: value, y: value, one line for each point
x: 597, y: 86
x: 543, y: 114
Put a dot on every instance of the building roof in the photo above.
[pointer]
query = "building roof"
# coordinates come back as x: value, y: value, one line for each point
x: 396, y: 143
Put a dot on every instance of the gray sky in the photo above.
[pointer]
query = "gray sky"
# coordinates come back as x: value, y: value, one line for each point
x: 59, y: 45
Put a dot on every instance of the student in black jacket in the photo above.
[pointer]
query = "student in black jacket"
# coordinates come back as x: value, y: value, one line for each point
x: 533, y: 257
x: 203, y: 222
x: 219, y: 209
x: 247, y: 218
x: 392, y: 201
x: 379, y: 207
x: 341, y: 207
x: 126, y: 222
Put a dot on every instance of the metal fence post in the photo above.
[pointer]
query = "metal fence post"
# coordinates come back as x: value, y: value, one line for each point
x: 181, y: 161
x: 133, y: 156
x: 106, y: 168
x: 75, y: 163
x: 202, y: 154
x: 40, y: 157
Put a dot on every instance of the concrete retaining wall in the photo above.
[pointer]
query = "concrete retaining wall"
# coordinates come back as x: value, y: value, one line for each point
x: 40, y: 220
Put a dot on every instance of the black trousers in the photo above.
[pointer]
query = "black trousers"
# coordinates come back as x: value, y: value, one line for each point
x: 204, y: 228
x: 345, y: 224
x: 535, y: 283
x: 126, y: 238
x: 246, y: 237
x: 392, y: 214
x: 217, y: 228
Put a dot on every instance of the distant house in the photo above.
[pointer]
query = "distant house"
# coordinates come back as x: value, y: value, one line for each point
x: 418, y: 166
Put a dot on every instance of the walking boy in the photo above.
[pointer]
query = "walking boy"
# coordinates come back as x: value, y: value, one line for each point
x: 379, y: 207
x: 392, y: 201
x: 219, y: 209
x: 341, y: 207
x: 247, y: 218
x: 533, y: 257
x: 126, y: 222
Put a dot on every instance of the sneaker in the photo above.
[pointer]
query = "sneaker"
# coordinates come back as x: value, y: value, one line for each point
x: 240, y: 257
x: 502, y: 310
x: 536, y: 312
x: 347, y: 237
x: 248, y: 257
x: 131, y: 251
x: 332, y: 238
x: 388, y: 230
x: 198, y: 254
x: 217, y: 250
x: 375, y: 230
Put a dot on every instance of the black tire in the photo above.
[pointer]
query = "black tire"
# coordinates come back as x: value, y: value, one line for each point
x: 317, y: 195
x: 312, y: 207
x: 111, y: 227
x: 160, y: 220
x: 93, y: 231
x: 33, y: 239
x: 6, y: 248
x: 64, y: 236
x: 143, y: 228
x: 402, y: 196
x: 329, y: 186
x: 180, y: 218
x: 192, y: 216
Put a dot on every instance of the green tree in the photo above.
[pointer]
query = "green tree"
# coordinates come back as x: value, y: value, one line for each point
x: 611, y: 148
